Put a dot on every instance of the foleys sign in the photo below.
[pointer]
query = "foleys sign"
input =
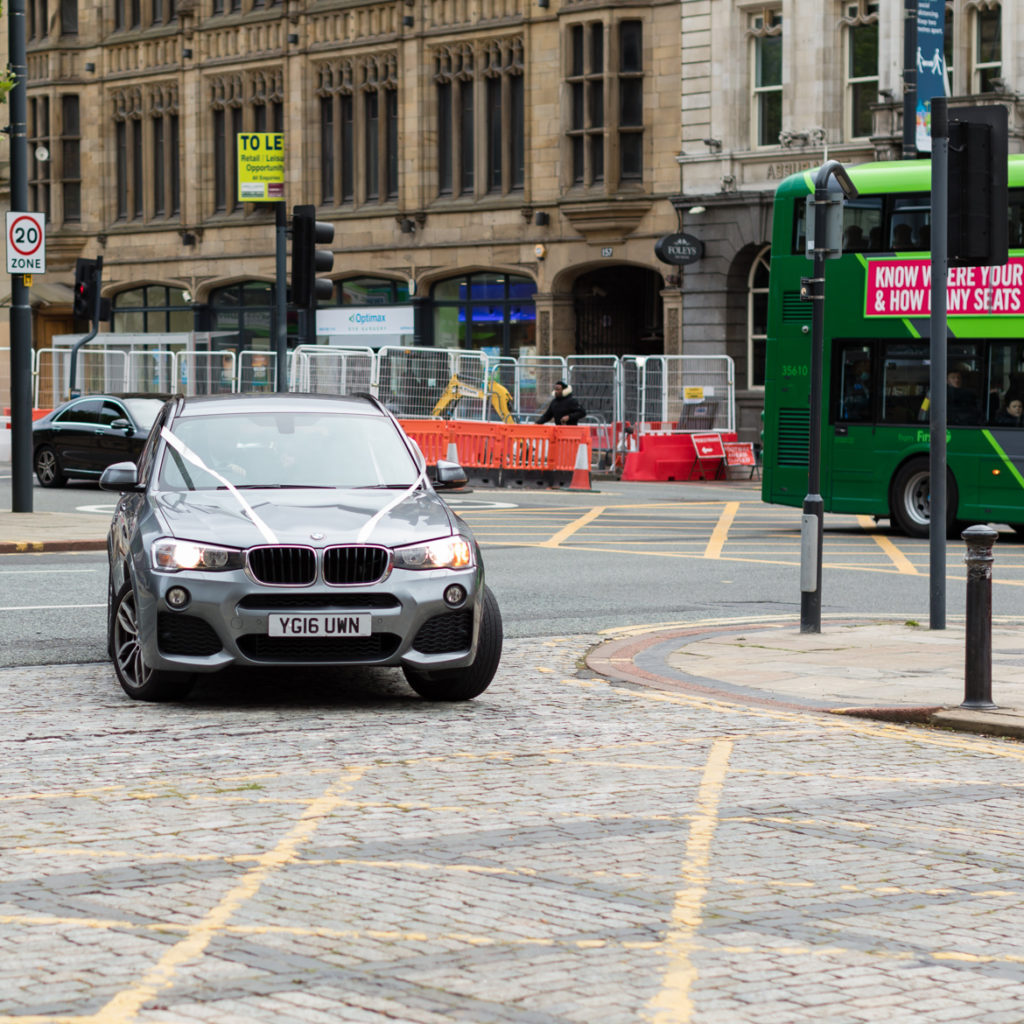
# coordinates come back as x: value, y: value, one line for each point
x: 678, y: 249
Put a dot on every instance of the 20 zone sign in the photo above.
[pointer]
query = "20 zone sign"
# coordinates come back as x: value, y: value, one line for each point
x: 26, y: 243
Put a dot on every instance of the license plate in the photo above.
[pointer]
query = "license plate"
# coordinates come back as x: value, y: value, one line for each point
x: 328, y: 624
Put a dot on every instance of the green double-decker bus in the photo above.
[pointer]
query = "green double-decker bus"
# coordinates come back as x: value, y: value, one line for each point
x: 874, y: 444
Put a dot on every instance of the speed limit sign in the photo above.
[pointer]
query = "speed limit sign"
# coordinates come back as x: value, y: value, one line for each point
x: 26, y: 243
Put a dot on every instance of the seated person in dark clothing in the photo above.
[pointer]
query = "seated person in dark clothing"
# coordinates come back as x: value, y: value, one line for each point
x: 1011, y: 412
x: 962, y: 407
x: 563, y: 408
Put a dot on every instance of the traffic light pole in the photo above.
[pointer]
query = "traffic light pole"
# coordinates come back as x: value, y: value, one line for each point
x: 94, y: 316
x: 281, y: 293
x: 937, y: 352
x: 21, y: 314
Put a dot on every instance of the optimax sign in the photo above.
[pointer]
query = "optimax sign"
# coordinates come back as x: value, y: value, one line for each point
x: 903, y: 288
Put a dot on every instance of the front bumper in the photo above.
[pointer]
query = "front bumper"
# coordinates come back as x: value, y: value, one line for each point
x: 225, y: 621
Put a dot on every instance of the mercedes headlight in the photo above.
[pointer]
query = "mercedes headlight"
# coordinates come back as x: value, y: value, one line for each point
x: 171, y: 555
x: 445, y: 553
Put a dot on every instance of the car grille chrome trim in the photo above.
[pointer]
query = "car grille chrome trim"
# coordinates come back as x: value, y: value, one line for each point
x: 351, y: 564
x: 282, y: 565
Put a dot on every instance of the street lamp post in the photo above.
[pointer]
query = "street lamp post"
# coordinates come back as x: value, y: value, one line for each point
x: 827, y: 244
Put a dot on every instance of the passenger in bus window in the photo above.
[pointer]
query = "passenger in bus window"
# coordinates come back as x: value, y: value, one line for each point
x: 962, y: 406
x: 854, y: 239
x: 902, y: 237
x: 1011, y: 413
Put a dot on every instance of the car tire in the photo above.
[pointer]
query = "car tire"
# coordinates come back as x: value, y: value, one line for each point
x: 469, y: 682
x: 48, y: 471
x: 910, y: 499
x: 137, y: 679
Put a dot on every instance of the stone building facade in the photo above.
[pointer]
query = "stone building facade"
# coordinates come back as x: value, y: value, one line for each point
x: 772, y: 88
x: 504, y: 166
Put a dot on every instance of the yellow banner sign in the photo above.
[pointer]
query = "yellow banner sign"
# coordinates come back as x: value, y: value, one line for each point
x: 693, y: 394
x: 260, y: 167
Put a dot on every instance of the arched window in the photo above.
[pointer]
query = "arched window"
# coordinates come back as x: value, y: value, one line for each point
x: 242, y: 315
x: 490, y: 311
x: 370, y: 291
x: 151, y: 309
x: 757, y: 317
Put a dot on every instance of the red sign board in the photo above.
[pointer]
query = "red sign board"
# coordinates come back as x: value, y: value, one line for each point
x: 708, y: 446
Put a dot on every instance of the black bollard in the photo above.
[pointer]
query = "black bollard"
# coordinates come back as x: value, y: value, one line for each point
x: 978, y: 646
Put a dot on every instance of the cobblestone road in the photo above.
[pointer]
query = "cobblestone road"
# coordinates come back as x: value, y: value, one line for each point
x: 564, y: 849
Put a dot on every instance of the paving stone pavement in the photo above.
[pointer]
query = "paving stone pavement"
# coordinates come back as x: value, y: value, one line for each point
x: 567, y: 848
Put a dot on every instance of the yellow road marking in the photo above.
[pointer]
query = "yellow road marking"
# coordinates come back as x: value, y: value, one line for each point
x: 672, y: 1005
x: 125, y: 1005
x: 721, y: 530
x: 899, y: 559
x: 570, y: 528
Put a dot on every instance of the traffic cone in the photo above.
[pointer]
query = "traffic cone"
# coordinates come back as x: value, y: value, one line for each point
x: 581, y: 472
x: 453, y: 452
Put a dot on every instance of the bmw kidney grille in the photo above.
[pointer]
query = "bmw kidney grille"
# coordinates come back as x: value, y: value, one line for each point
x: 283, y: 566
x: 287, y: 566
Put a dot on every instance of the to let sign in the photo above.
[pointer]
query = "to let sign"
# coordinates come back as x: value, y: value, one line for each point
x: 260, y: 167
x: 678, y: 249
x: 26, y: 243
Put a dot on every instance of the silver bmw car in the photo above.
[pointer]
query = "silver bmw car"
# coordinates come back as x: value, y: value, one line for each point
x: 289, y: 530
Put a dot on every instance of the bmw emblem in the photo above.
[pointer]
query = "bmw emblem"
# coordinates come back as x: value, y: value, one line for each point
x: 316, y: 535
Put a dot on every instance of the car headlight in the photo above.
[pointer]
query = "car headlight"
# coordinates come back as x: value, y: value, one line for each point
x: 445, y: 553
x: 171, y: 555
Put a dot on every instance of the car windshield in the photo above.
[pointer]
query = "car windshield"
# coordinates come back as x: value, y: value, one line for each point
x: 286, y: 449
x: 144, y: 410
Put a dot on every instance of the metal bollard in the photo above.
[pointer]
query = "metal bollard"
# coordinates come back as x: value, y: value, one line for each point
x: 978, y: 646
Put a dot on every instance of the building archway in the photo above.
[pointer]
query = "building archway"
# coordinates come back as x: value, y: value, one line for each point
x: 618, y: 311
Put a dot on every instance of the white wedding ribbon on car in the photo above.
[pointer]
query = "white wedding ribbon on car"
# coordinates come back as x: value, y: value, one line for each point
x: 190, y: 456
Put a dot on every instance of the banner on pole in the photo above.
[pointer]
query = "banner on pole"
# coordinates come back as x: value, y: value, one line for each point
x: 932, y: 79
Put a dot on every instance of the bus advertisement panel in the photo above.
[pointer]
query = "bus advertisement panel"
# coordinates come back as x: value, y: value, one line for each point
x: 874, y: 444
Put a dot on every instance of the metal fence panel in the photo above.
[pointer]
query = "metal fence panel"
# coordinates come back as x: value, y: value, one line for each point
x: 412, y: 380
x: 701, y: 392
x: 202, y: 372
x: 333, y: 369
x: 150, y: 370
x: 537, y: 377
x: 595, y: 385
x: 643, y: 389
x: 96, y: 370
x: 257, y: 371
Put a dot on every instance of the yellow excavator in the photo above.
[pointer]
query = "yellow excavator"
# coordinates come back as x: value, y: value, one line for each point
x: 501, y: 399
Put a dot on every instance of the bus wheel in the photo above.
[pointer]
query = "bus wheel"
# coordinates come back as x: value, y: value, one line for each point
x: 910, y: 499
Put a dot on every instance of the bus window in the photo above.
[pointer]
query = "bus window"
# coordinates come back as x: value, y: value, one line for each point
x: 862, y: 224
x: 904, y: 382
x: 1016, y: 215
x: 854, y: 364
x: 910, y: 224
x: 1005, y: 376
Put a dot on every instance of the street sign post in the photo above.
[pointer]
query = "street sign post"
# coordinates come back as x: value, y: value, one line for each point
x: 26, y: 243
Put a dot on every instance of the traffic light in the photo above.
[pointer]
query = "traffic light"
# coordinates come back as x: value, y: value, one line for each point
x: 978, y: 222
x: 87, y: 286
x: 307, y: 259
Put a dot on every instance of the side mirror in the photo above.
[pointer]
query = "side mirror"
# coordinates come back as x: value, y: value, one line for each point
x: 450, y: 474
x: 122, y: 424
x: 121, y: 476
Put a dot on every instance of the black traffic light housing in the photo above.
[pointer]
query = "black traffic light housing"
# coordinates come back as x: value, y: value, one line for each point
x: 88, y: 281
x: 978, y: 187
x: 307, y: 259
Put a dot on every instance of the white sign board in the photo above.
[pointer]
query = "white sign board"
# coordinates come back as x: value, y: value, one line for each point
x: 364, y: 321
x: 26, y: 243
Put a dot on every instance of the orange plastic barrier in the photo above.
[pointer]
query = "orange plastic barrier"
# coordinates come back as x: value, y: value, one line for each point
x: 503, y: 454
x: 37, y: 414
x: 663, y: 457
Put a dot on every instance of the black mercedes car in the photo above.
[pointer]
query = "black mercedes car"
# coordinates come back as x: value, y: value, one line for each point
x: 82, y: 437
x: 287, y: 530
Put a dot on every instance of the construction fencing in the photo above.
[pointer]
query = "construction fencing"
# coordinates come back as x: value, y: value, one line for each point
x: 624, y: 396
